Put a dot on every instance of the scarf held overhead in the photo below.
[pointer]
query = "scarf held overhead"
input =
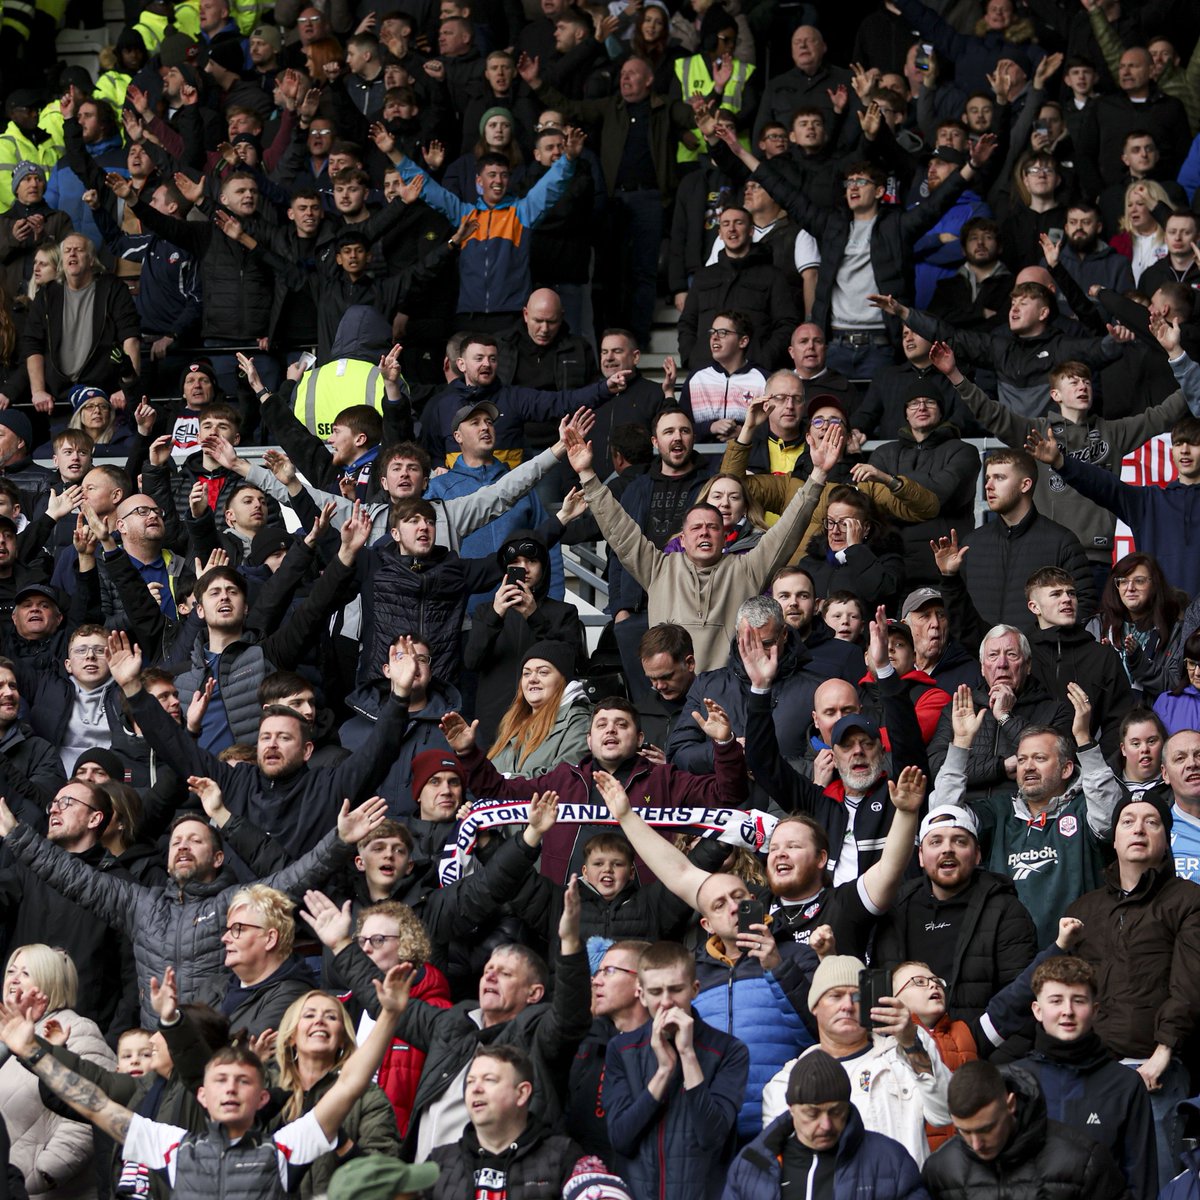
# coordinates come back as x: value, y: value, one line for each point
x: 748, y: 828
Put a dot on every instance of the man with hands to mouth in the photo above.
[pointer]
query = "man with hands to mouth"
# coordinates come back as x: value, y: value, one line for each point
x: 673, y: 1087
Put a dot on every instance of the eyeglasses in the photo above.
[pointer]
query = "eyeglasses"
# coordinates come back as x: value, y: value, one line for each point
x: 784, y: 397
x: 609, y: 971
x: 309, y: 20
x: 723, y: 333
x: 921, y: 402
x: 236, y: 930
x: 1040, y: 171
x: 777, y: 136
x: 923, y: 981
x: 376, y: 941
x: 423, y: 659
x: 726, y: 37
x: 145, y: 510
x: 833, y: 525
x: 96, y: 406
x: 87, y: 651
x: 1191, y: 664
x: 321, y: 132
x: 821, y: 422
x: 62, y: 803
x: 1133, y: 581
x: 859, y: 181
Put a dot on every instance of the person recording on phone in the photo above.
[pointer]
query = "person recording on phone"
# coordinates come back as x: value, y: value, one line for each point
x: 672, y: 1087
x: 888, y: 1058
x: 520, y: 614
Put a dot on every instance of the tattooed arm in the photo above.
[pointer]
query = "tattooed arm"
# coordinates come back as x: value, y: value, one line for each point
x: 17, y: 1032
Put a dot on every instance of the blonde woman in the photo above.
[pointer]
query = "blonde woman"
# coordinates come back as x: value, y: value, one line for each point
x: 53, y: 1153
x: 315, y: 1037
x: 743, y: 515
x: 1143, y: 237
x: 547, y: 722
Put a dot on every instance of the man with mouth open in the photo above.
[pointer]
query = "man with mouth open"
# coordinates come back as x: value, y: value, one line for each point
x: 966, y: 923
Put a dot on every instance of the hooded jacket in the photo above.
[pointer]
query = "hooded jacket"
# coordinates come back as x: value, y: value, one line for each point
x: 866, y: 1164
x: 1066, y: 654
x: 1087, y: 1089
x: 566, y: 741
x: 704, y: 600
x: 260, y: 1006
x: 1042, y: 1158
x: 535, y: 1167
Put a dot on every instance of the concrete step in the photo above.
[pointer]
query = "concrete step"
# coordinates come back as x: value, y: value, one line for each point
x: 664, y: 341
x: 666, y: 314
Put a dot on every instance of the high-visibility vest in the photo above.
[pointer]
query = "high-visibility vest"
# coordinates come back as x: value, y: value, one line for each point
x: 17, y: 20
x: 112, y: 86
x: 153, y: 28
x: 247, y: 14
x: 696, y: 80
x: 187, y: 18
x: 56, y: 10
x: 15, y: 147
x: 325, y: 390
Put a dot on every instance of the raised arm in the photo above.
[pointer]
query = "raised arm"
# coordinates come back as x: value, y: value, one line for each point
x: 672, y: 867
x: 85, y: 1097
x: 358, y: 1071
x: 882, y: 880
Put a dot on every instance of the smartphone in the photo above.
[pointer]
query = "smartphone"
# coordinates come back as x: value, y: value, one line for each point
x: 750, y: 912
x: 873, y: 985
x: 516, y: 575
x: 306, y: 360
x: 921, y: 62
x: 1042, y: 128
x: 1055, y: 236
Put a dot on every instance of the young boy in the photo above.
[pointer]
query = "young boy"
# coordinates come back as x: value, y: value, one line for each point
x: 198, y: 1165
x: 843, y: 613
x: 134, y: 1052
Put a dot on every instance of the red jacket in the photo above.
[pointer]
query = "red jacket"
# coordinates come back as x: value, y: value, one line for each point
x: 402, y: 1064
x: 650, y: 785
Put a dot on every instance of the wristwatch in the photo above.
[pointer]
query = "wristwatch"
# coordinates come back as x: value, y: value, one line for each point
x: 36, y: 1057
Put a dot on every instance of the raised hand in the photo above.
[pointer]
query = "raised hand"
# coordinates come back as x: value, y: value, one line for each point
x: 714, y: 722
x: 1070, y: 930
x: 83, y: 539
x: 543, y: 812
x: 761, y: 661
x: 870, y: 119
x: 321, y: 523
x: 948, y: 554
x: 568, y: 924
x: 1045, y: 69
x: 1120, y: 333
x: 877, y: 646
x: 1166, y: 332
x: 1051, y: 250
x: 144, y: 417
x: 331, y: 924
x: 612, y: 793
x: 574, y: 505
x: 1044, y: 448
x: 192, y: 190
x: 435, y: 155
x: 263, y: 1046
x: 964, y: 720
x: 247, y: 367
x: 459, y: 735
x: 355, y: 531
x: 211, y: 797
x: 220, y: 450
x: 198, y: 499
x: 280, y: 466
x: 124, y: 659
x: 198, y: 707
x: 528, y: 69
x: 389, y: 364
x: 826, y: 448
x: 466, y: 226
x: 17, y: 1031
x: 59, y: 504
x: 164, y: 997
x: 354, y: 824
x: 670, y: 374
x: 1081, y: 724
x: 822, y: 941
x: 579, y: 452
x: 402, y: 666
x: 394, y: 989
x: 574, y: 138
x: 410, y: 191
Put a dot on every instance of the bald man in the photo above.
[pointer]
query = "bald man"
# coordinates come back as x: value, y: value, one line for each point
x: 806, y: 85
x: 145, y: 528
x: 543, y: 353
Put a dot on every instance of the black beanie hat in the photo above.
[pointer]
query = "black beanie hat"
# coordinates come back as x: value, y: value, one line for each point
x: 558, y: 654
x: 818, y: 1078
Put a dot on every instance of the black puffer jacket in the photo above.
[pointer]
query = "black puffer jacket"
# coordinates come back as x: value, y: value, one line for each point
x: 1043, y: 1160
x: 753, y: 286
x: 996, y: 940
x: 1003, y: 557
x: 239, y: 287
x: 536, y: 1166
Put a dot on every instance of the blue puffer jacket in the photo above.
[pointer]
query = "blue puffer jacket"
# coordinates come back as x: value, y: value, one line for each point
x: 760, y: 1008
x: 868, y: 1164
x: 676, y: 1148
